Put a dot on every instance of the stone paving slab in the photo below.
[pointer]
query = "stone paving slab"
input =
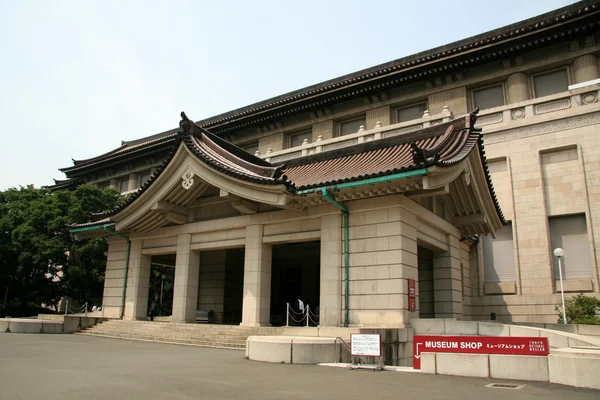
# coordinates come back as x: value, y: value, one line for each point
x: 74, y: 367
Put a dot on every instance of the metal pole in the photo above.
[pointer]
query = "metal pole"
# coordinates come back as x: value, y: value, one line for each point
x: 307, y: 315
x: 162, y: 282
x: 287, y: 314
x: 562, y: 292
x: 66, y: 307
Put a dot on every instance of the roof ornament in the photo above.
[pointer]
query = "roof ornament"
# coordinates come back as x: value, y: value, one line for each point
x: 467, y: 176
x: 186, y: 124
x: 422, y: 156
x: 188, y: 179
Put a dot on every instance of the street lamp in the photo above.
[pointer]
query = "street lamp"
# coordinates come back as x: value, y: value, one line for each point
x: 560, y: 253
x: 162, y: 283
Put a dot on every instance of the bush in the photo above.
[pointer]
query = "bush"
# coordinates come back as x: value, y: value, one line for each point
x: 580, y: 310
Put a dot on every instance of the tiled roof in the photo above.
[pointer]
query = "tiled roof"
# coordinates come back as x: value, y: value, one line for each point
x: 442, y: 145
x: 65, y: 184
x: 219, y: 155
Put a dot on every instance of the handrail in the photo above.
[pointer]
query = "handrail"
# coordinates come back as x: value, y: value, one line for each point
x: 349, y: 348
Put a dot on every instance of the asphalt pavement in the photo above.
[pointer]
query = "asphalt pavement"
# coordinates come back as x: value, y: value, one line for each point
x: 78, y: 367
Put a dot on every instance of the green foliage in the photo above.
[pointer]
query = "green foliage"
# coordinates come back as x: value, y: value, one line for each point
x: 581, y: 310
x: 37, y: 262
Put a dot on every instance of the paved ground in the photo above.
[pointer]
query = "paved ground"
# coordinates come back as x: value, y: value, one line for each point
x: 78, y: 367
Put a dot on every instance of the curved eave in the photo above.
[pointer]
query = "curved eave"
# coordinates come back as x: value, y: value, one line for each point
x: 182, y: 179
x: 121, y: 156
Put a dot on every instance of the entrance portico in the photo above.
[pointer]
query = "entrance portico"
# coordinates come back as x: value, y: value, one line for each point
x: 430, y: 189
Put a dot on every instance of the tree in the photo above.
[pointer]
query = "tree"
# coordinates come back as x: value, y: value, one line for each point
x: 37, y: 261
x: 581, y: 310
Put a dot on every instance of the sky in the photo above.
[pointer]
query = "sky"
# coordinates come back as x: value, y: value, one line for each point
x: 77, y: 77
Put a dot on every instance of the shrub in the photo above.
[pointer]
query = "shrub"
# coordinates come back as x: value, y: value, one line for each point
x: 580, y: 310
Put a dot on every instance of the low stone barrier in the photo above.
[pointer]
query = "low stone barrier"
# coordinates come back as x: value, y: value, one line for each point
x: 47, y: 323
x: 572, y: 366
x: 294, y: 349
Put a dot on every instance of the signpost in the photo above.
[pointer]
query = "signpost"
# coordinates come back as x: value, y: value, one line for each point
x: 412, y: 295
x: 530, y: 346
x: 366, y: 345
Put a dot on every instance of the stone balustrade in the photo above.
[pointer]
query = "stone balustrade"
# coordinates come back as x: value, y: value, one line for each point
x: 503, y: 117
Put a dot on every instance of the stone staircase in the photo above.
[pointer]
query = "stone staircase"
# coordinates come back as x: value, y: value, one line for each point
x: 202, y: 335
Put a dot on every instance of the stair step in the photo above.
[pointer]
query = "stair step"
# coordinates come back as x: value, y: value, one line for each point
x: 201, y: 335
x: 169, y: 337
x: 209, y: 344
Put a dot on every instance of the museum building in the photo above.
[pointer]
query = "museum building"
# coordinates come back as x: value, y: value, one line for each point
x: 459, y: 168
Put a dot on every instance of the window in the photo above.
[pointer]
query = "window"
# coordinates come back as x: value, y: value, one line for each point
x: 489, y: 97
x: 551, y: 83
x: 251, y: 148
x: 103, y: 185
x: 498, y: 256
x: 350, y: 127
x: 123, y: 185
x: 569, y: 232
x: 411, y: 112
x: 144, y: 176
x: 298, y: 138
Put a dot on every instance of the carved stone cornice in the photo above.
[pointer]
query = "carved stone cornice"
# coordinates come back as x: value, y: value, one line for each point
x: 542, y: 128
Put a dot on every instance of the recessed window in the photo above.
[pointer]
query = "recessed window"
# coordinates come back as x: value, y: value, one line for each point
x: 411, y: 112
x: 569, y: 232
x: 298, y: 138
x: 352, y: 126
x: 123, y: 185
x: 489, y: 97
x: 144, y: 176
x: 551, y: 83
x: 498, y: 256
x: 251, y: 148
x: 103, y: 185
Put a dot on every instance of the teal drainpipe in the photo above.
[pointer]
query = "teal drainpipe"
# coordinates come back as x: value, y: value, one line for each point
x: 327, y: 195
x: 344, y: 209
x: 106, y: 227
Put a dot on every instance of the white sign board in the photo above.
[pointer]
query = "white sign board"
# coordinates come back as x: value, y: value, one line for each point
x: 365, y: 345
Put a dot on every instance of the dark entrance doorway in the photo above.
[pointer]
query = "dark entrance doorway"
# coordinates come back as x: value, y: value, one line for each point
x: 296, y: 270
x: 426, y: 293
x: 160, y: 288
x: 221, y: 285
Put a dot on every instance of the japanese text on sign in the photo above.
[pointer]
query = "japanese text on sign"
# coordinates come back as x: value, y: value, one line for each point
x: 365, y: 345
x: 478, y: 345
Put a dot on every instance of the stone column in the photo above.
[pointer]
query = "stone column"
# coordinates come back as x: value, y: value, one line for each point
x: 585, y: 68
x: 332, y: 271
x: 447, y: 281
x: 517, y: 88
x: 138, y: 279
x: 133, y: 182
x: 185, y: 291
x: 256, y: 306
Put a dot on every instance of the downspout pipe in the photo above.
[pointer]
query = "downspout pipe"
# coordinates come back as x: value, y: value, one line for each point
x: 327, y: 195
x: 349, y: 185
x: 107, y: 229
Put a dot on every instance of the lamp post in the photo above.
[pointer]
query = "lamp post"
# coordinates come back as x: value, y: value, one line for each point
x: 162, y: 283
x: 559, y: 253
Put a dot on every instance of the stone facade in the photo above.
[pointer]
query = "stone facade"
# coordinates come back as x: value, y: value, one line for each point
x: 543, y: 154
